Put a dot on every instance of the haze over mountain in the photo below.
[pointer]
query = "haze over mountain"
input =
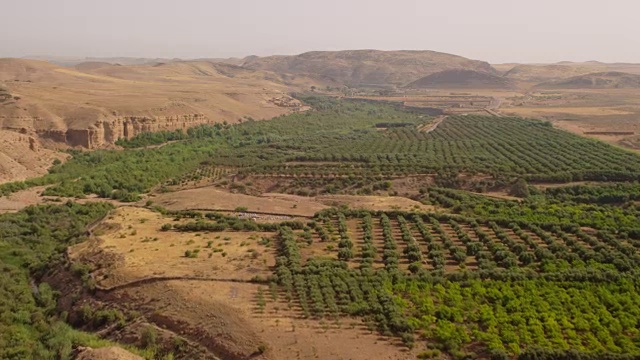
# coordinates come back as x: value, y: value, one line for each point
x: 462, y: 79
x: 604, y: 80
x: 539, y: 73
x: 362, y: 67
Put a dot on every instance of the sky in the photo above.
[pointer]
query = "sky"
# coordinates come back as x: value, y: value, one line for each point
x: 497, y: 31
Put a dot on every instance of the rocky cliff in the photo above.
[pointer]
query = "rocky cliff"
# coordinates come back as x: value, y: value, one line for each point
x: 108, y: 131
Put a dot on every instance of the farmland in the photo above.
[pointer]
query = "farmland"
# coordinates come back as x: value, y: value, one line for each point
x: 346, y: 214
x: 383, y: 265
x: 339, y: 146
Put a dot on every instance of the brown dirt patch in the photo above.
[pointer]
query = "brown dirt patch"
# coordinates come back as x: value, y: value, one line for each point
x: 501, y: 195
x: 375, y: 202
x: 107, y: 353
x: 211, y: 198
x: 560, y: 111
x: 21, y: 199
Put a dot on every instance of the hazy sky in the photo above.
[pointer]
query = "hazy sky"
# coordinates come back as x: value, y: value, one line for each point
x: 491, y: 30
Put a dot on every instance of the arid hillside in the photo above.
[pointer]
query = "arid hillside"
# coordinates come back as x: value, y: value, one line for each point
x: 604, y: 67
x: 604, y: 80
x: 540, y: 73
x: 462, y: 79
x: 367, y: 67
x: 537, y: 73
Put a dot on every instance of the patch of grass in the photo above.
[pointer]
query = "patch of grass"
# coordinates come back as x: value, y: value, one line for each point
x: 192, y: 254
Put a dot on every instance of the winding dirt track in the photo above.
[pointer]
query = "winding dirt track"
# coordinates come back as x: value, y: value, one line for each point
x: 433, y: 126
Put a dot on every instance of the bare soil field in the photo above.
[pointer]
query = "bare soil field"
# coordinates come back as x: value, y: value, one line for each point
x: 212, y: 198
x: 563, y: 111
x: 374, y: 202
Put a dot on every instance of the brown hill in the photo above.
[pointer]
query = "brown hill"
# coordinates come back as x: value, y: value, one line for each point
x: 70, y: 61
x: 540, y: 73
x: 92, y: 65
x: 25, y: 70
x: 462, y: 79
x: 598, y: 66
x: 367, y: 67
x: 602, y: 80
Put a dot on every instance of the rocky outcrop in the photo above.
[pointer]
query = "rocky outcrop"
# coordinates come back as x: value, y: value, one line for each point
x: 108, y: 131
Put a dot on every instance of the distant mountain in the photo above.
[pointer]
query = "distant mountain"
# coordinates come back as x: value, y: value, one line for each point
x: 69, y: 61
x: 462, y: 79
x: 601, y: 80
x: 540, y: 73
x: 93, y: 65
x: 367, y: 67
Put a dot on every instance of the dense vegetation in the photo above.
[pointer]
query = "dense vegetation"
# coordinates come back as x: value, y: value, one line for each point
x: 602, y: 207
x: 446, y: 243
x: 31, y: 242
x: 338, y: 140
x: 497, y: 314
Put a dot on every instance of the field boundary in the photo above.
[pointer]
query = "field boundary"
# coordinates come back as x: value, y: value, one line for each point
x: 155, y: 279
